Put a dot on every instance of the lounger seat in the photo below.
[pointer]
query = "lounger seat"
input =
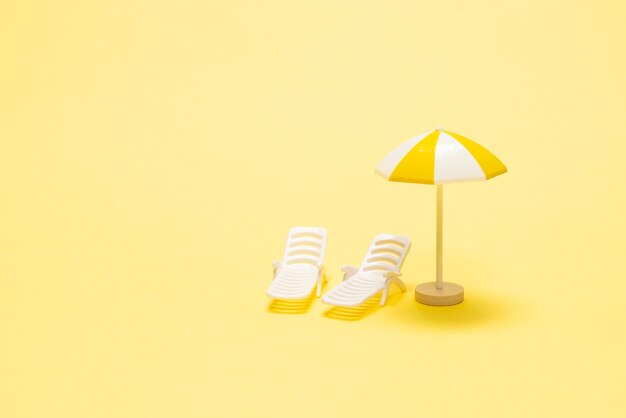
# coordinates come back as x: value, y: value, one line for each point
x: 302, y: 268
x: 379, y: 270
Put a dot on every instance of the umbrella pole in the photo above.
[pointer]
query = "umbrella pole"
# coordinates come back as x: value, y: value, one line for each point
x: 439, y: 236
x: 438, y: 293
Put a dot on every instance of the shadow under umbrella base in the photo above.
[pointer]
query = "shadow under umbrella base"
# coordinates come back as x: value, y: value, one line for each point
x: 449, y: 294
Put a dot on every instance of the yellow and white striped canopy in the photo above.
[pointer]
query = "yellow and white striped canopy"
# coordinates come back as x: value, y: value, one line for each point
x: 440, y: 157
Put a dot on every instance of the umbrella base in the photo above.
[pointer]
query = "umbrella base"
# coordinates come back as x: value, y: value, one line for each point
x: 428, y: 294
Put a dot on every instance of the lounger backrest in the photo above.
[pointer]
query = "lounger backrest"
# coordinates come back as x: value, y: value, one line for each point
x: 305, y: 245
x: 387, y: 253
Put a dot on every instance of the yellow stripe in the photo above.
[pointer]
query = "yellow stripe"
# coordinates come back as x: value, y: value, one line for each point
x: 418, y: 165
x: 489, y: 163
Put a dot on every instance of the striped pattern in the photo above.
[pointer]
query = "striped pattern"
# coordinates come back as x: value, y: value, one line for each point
x: 294, y: 282
x: 440, y: 157
x: 355, y: 291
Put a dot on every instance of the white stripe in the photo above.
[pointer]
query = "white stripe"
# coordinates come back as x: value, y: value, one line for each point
x: 453, y: 162
x: 391, y: 161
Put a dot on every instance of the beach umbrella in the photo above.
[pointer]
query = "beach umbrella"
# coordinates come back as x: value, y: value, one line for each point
x: 439, y: 157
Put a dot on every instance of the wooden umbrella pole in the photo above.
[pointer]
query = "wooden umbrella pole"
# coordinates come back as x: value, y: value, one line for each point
x: 439, y: 236
x: 438, y: 293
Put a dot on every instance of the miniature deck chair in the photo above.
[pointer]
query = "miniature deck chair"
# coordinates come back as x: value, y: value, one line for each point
x: 302, y: 268
x: 379, y: 270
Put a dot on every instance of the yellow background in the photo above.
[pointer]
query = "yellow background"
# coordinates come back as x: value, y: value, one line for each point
x: 154, y: 155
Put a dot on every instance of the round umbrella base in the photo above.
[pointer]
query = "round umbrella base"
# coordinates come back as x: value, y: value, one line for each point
x: 449, y: 294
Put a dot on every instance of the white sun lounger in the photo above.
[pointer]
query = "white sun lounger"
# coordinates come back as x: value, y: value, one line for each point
x: 302, y: 267
x: 379, y: 270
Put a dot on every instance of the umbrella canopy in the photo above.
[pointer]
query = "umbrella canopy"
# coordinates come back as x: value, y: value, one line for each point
x: 439, y: 157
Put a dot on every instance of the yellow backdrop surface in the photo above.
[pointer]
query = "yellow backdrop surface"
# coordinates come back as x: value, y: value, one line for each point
x: 154, y: 155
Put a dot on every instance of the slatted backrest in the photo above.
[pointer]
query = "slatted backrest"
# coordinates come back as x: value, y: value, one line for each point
x: 305, y: 245
x: 386, y: 253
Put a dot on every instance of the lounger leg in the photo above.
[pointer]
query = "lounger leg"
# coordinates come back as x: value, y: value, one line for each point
x: 383, y: 299
x: 320, y: 282
x: 388, y: 283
